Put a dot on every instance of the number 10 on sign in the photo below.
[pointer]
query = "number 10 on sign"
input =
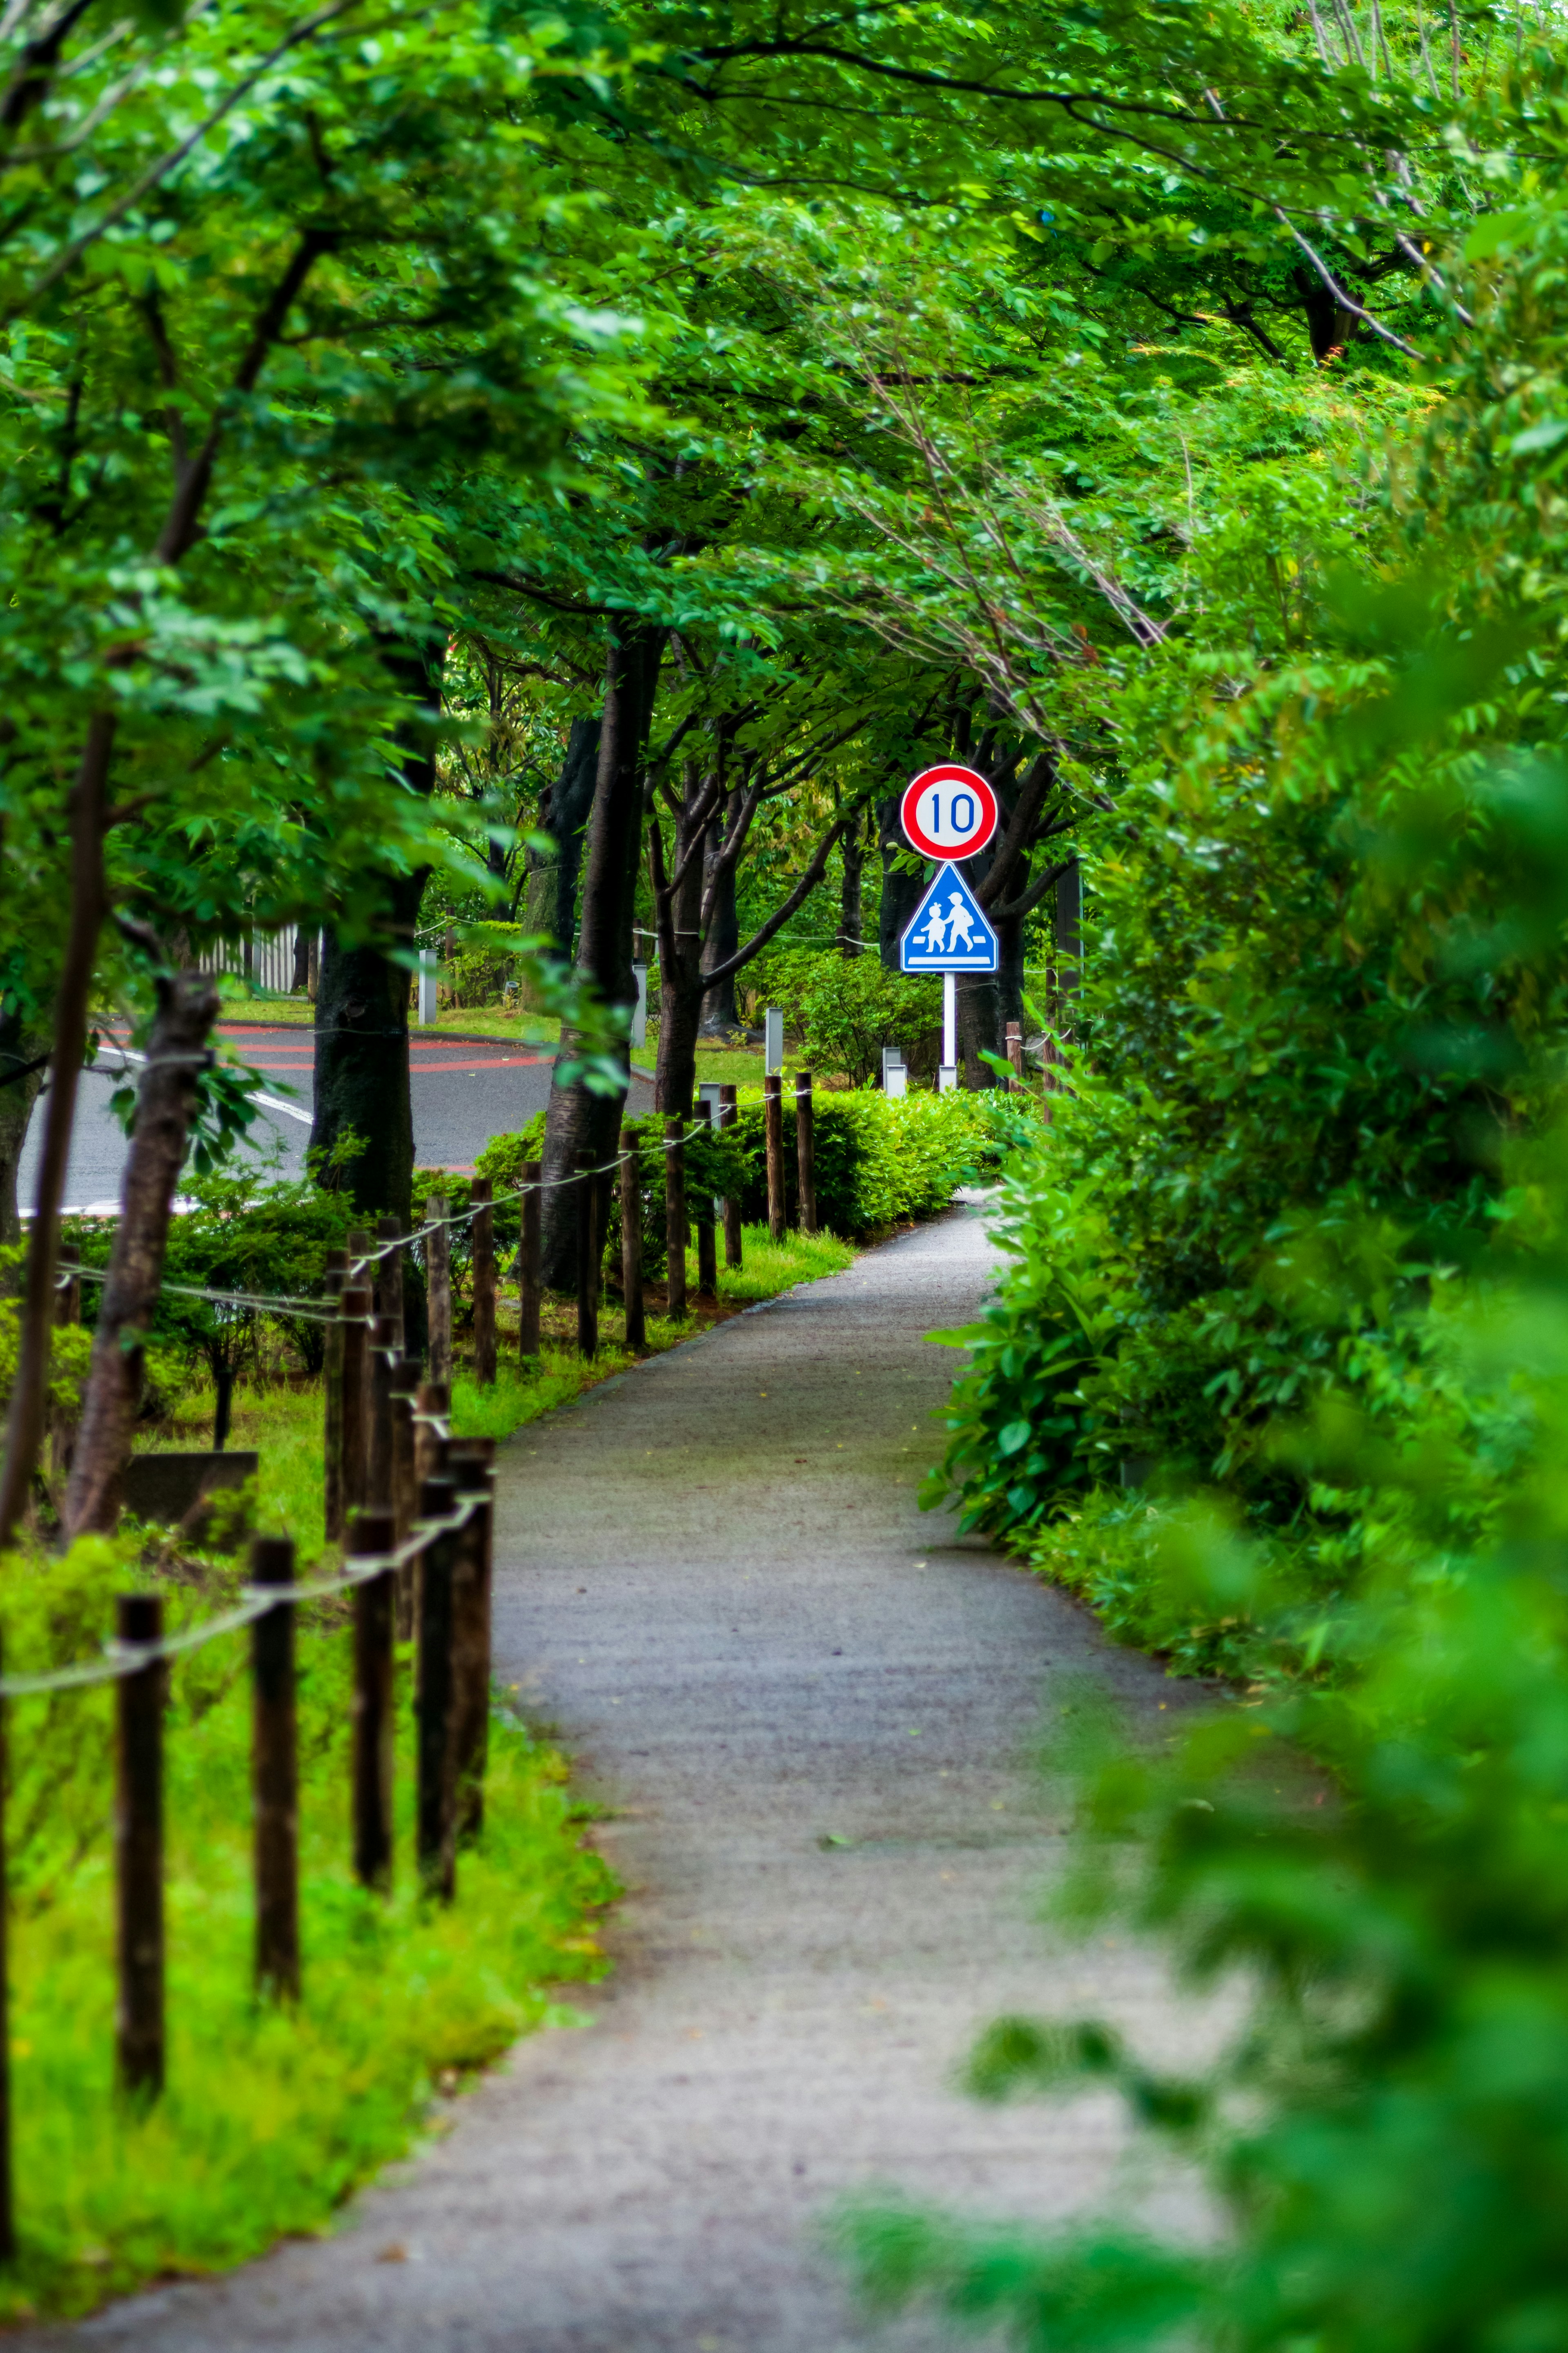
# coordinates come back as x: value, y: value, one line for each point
x: 948, y: 812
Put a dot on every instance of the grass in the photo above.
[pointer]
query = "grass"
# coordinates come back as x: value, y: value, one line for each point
x: 479, y: 1021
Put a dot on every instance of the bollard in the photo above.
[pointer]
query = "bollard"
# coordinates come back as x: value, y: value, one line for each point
x: 372, y: 1711
x: 773, y: 1108
x: 675, y: 1214
x: 587, y: 1258
x: 729, y: 1114
x: 7, y: 2197
x: 139, y: 1853
x: 529, y: 1291
x: 805, y: 1150
x: 436, y: 1816
x: 484, y: 1265
x: 383, y: 1359
x: 439, y: 1281
x: 274, y: 1777
x: 631, y: 1239
x: 332, y: 1396
x: 356, y: 1436
x: 472, y: 1462
x: 389, y: 1273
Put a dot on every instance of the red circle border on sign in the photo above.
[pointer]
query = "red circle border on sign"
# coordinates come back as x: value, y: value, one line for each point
x: 948, y: 772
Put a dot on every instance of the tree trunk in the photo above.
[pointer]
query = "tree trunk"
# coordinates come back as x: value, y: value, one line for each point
x: 361, y: 1020
x: 19, y: 1086
x: 678, y: 915
x: 550, y: 898
x: 852, y: 891
x: 720, y: 1017
x: 900, y: 889
x: 165, y: 1100
x: 577, y: 1121
x: 30, y: 1391
x: 979, y: 1029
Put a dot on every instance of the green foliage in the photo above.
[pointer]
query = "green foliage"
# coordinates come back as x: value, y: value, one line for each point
x: 1294, y: 1260
x: 847, y: 1010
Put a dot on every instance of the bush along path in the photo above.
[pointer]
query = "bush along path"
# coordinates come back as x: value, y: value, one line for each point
x: 810, y: 1717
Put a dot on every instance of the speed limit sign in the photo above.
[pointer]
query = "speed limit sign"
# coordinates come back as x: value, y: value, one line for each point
x: 948, y: 812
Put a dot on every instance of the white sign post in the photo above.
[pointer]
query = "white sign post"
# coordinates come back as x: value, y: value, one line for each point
x: 949, y: 812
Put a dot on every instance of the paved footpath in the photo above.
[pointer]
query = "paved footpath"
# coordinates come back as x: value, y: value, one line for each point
x: 812, y: 1712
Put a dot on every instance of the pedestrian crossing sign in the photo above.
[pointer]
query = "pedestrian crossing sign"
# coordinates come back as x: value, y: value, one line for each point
x: 949, y: 933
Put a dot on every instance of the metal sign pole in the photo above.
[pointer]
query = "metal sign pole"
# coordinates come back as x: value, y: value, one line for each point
x: 948, y: 1075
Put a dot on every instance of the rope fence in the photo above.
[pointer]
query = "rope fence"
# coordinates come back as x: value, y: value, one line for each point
x: 412, y: 1507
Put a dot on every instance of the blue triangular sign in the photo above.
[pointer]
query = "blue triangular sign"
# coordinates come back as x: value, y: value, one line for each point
x: 948, y: 934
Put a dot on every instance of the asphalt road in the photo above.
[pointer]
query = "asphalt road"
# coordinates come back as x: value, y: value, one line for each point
x: 465, y: 1092
x: 811, y: 1715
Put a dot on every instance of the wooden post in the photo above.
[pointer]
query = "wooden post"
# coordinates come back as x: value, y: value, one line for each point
x: 631, y: 1239
x: 729, y: 1114
x: 332, y: 1399
x: 1016, y: 1056
x: 471, y: 1471
x: 68, y: 1298
x: 68, y: 1310
x: 439, y: 1281
x: 373, y: 1715
x: 587, y: 1258
x: 436, y: 1830
x: 7, y: 2200
x: 484, y: 1265
x: 389, y: 1273
x: 404, y: 1485
x: 435, y: 1398
x: 529, y: 1291
x: 275, y: 1778
x: 356, y: 1436
x: 139, y: 1853
x: 773, y: 1107
x: 805, y: 1150
x: 675, y: 1213
x: 382, y: 1369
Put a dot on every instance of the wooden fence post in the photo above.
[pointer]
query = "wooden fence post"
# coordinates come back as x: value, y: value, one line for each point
x: 274, y: 1777
x: 805, y: 1150
x: 471, y: 1473
x: 631, y: 1239
x: 773, y: 1107
x: 587, y: 1257
x: 439, y: 1281
x: 373, y: 1715
x: 404, y: 1485
x: 7, y: 2198
x: 332, y: 1395
x: 1016, y: 1056
x: 529, y: 1291
x: 139, y: 1852
x: 675, y: 1213
x: 435, y: 1398
x: 382, y: 1367
x: 356, y: 1436
x: 483, y: 1232
x: 729, y: 1114
x: 389, y: 1273
x: 437, y: 1815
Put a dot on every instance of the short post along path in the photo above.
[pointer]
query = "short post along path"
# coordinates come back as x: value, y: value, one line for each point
x: 812, y: 1712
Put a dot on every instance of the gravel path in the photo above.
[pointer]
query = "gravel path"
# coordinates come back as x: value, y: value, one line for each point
x: 812, y: 1712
